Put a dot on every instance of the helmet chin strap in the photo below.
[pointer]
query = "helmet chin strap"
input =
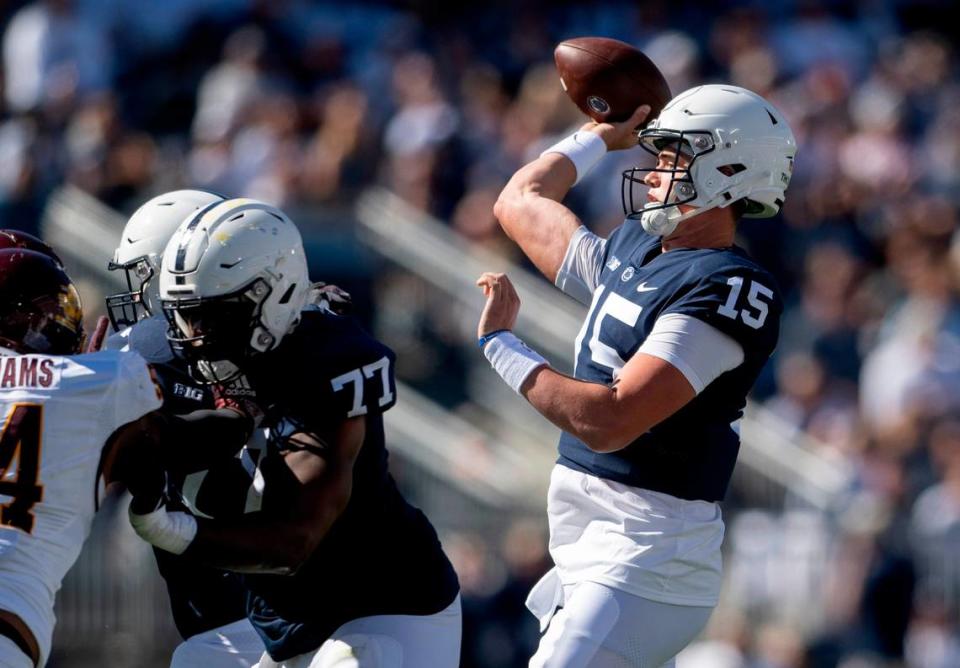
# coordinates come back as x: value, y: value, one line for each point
x: 662, y: 221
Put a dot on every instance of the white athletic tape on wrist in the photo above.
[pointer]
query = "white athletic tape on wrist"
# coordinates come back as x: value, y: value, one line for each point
x: 584, y: 149
x: 172, y: 532
x: 512, y: 359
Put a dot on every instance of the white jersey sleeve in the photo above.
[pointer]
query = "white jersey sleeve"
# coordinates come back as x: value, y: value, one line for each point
x: 580, y: 272
x: 58, y: 412
x: 136, y: 392
x: 701, y: 352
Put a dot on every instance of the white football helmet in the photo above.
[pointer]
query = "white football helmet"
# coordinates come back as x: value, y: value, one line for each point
x: 141, y: 248
x: 739, y: 147
x: 233, y: 282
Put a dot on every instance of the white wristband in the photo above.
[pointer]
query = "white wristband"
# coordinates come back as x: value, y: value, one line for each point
x: 512, y: 359
x: 172, y: 532
x: 584, y: 149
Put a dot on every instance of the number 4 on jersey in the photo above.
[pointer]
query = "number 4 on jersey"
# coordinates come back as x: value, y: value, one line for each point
x: 20, y: 441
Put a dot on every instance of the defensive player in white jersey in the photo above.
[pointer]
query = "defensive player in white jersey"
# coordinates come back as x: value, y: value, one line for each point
x: 680, y: 323
x: 58, y: 409
x: 208, y: 604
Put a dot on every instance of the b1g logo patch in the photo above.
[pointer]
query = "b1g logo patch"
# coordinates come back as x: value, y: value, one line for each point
x: 598, y: 104
x: 187, y: 392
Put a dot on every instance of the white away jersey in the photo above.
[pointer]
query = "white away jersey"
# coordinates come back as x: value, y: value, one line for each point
x: 57, y: 414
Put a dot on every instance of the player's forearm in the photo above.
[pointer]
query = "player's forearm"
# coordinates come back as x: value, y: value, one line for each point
x: 137, y: 453
x: 280, y: 542
x: 249, y: 545
x: 590, y: 411
x: 260, y: 543
x: 198, y: 440
x: 530, y: 212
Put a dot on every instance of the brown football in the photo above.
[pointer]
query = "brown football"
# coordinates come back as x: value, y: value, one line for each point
x: 608, y: 79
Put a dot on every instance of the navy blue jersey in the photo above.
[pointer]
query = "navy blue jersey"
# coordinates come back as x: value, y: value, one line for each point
x: 381, y: 556
x: 201, y: 597
x: 691, y: 454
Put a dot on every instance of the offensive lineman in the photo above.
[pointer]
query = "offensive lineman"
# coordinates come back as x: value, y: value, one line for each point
x: 58, y: 410
x: 680, y: 323
x: 208, y: 604
x: 339, y: 567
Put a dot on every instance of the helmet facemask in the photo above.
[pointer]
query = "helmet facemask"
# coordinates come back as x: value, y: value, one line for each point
x: 50, y: 325
x: 126, y: 309
x: 217, y: 335
x: 661, y: 218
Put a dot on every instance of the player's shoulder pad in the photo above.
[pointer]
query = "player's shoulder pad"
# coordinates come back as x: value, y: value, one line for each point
x: 117, y: 340
x: 334, y: 355
x: 332, y: 344
x: 148, y: 337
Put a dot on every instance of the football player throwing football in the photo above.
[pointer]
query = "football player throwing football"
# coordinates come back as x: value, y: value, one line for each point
x: 680, y: 323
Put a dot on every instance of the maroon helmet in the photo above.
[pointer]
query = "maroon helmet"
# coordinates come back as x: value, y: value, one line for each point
x: 20, y: 239
x: 40, y: 308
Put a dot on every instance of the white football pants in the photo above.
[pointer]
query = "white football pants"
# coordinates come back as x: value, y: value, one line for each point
x: 601, y: 627
x: 387, y: 641
x: 235, y: 645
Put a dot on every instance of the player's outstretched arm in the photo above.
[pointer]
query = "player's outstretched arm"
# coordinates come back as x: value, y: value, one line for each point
x: 320, y: 480
x: 190, y: 442
x: 606, y: 418
x: 138, y: 454
x: 529, y: 207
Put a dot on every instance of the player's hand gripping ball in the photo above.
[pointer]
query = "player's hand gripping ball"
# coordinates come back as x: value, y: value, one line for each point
x: 608, y: 79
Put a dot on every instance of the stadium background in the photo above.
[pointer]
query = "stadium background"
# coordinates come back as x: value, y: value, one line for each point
x: 386, y: 131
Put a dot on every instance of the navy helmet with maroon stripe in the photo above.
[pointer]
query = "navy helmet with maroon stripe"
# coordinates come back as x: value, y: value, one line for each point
x: 40, y: 309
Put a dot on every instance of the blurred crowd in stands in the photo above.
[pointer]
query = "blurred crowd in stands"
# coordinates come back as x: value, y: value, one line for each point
x: 305, y: 104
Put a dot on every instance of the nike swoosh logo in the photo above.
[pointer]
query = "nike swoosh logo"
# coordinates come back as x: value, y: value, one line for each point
x: 643, y: 288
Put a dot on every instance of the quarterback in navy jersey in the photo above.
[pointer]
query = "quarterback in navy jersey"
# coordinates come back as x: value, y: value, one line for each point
x: 336, y: 563
x: 680, y: 323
